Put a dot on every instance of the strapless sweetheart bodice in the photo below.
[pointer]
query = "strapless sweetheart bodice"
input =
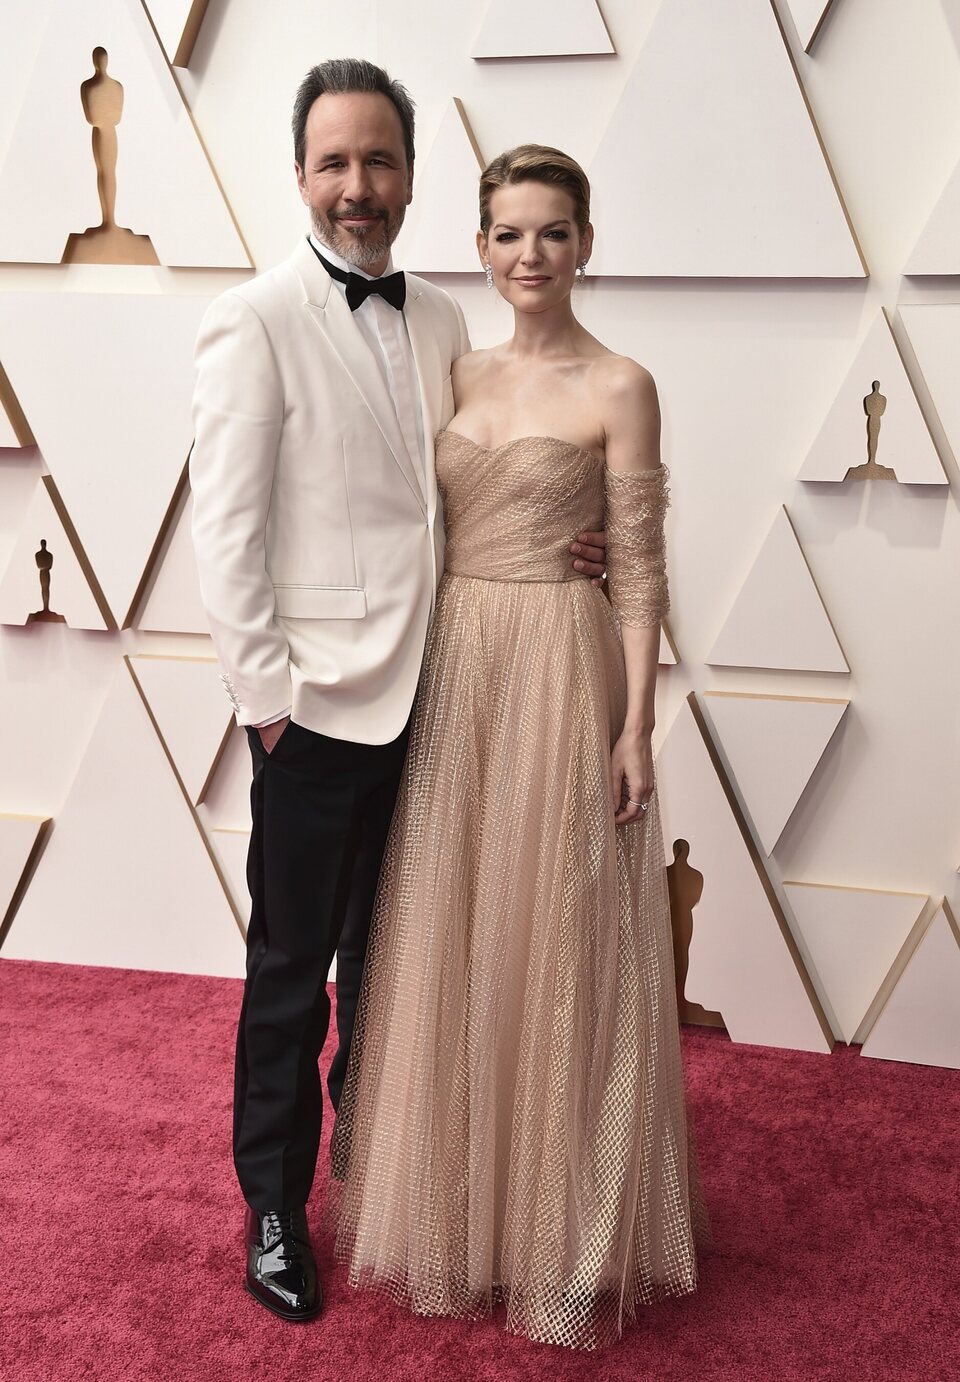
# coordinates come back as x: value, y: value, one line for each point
x: 511, y: 512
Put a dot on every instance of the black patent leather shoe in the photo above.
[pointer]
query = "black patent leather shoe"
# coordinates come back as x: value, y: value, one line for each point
x: 281, y: 1272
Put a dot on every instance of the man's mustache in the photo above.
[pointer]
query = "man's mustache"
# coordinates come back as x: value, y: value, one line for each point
x: 357, y: 210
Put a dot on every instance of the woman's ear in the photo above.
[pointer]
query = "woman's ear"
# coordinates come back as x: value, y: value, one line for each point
x: 482, y: 248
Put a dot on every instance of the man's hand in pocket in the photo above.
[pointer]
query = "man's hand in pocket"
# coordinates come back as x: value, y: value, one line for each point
x: 271, y: 733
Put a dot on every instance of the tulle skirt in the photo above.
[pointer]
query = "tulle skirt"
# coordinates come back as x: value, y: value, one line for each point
x: 514, y: 1126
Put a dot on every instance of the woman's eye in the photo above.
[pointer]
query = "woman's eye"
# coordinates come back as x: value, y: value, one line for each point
x: 558, y: 234
x: 505, y: 235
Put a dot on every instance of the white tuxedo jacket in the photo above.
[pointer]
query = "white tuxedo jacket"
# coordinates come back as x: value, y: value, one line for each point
x: 318, y: 548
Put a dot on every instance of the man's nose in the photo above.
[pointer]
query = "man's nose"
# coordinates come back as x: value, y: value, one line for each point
x: 356, y: 184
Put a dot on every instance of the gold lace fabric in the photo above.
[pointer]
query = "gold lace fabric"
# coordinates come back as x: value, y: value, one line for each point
x: 636, y: 505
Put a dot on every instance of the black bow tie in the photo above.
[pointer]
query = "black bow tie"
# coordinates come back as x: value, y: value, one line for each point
x: 392, y: 289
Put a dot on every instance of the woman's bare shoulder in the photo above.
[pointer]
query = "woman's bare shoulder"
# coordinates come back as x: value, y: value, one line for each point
x: 474, y: 362
x: 623, y: 380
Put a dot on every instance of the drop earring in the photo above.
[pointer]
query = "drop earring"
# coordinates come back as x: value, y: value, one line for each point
x: 581, y: 270
x: 489, y: 272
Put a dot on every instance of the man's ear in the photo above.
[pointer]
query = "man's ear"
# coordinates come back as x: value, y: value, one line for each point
x: 409, y: 183
x: 302, y: 185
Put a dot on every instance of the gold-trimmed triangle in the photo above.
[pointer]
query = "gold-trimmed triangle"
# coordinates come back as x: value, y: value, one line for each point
x: 75, y: 595
x: 185, y: 790
x: 809, y: 17
x: 22, y: 839
x: 755, y: 633
x: 177, y: 26
x: 14, y: 428
x: 773, y: 745
x: 159, y: 147
x: 855, y: 938
x: 744, y: 961
x: 668, y: 655
x: 920, y: 1021
x: 439, y: 234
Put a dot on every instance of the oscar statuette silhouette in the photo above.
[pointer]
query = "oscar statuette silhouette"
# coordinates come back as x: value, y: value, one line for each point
x: 686, y: 888
x: 874, y: 405
x: 102, y: 100
x: 45, y: 615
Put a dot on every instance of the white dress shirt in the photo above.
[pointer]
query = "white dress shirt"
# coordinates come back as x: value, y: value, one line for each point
x: 385, y: 331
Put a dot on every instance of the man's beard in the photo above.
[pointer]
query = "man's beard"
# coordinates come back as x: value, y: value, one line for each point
x: 361, y: 248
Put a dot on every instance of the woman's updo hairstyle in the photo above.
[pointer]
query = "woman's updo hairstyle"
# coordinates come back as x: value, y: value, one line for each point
x: 536, y: 163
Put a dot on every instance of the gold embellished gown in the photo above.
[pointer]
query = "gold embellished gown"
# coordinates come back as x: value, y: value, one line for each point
x: 513, y: 1125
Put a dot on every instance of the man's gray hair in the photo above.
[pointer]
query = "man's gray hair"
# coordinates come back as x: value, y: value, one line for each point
x: 342, y: 76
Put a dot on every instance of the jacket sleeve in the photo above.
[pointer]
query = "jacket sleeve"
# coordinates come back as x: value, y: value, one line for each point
x: 238, y: 416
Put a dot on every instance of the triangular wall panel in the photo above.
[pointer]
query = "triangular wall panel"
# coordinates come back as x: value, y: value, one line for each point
x: 668, y: 655
x: 757, y: 631
x: 165, y: 187
x: 934, y: 332
x: 920, y: 1021
x: 47, y: 536
x: 903, y: 444
x: 726, y: 174
x: 773, y: 744
x: 177, y: 23
x: 742, y: 961
x: 106, y: 383
x: 809, y: 16
x: 509, y: 30
x: 937, y: 250
x: 21, y: 840
x: 172, y: 602
x: 14, y: 429
x: 231, y: 848
x: 126, y: 878
x: 439, y: 234
x: 192, y: 714
x: 853, y: 937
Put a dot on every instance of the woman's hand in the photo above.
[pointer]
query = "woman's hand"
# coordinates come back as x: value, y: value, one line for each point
x: 631, y: 766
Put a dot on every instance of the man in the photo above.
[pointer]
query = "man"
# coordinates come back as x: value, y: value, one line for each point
x: 319, y: 543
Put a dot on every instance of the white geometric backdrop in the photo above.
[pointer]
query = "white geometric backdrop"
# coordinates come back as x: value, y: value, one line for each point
x: 808, y: 733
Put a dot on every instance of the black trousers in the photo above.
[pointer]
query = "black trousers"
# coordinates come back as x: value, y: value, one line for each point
x: 321, y: 814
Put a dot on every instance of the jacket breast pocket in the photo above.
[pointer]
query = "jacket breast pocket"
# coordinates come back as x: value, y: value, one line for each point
x: 320, y: 601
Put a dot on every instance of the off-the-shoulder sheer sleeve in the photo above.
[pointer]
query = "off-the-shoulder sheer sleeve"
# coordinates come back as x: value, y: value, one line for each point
x: 636, y: 503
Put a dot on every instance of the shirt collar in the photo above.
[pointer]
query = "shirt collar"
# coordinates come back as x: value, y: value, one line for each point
x: 345, y: 264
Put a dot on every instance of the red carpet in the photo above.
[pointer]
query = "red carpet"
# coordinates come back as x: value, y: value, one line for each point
x: 833, y: 1185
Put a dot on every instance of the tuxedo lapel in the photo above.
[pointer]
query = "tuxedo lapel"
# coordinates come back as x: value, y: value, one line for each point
x: 331, y: 315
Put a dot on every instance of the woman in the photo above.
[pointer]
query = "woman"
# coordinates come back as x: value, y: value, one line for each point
x: 513, y: 1125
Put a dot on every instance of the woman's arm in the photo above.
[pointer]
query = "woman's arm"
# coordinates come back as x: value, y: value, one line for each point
x: 636, y: 499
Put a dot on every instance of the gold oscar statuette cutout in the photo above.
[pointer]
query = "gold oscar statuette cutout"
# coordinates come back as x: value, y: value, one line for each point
x: 874, y: 405
x: 45, y: 615
x: 107, y: 243
x: 686, y: 888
